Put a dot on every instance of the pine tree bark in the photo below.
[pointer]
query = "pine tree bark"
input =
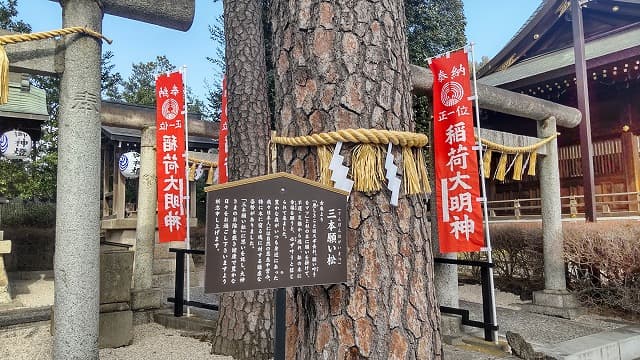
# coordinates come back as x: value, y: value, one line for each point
x: 340, y: 65
x: 245, y: 323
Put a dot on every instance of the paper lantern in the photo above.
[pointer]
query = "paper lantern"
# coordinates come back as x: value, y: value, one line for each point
x: 129, y: 164
x: 15, y: 144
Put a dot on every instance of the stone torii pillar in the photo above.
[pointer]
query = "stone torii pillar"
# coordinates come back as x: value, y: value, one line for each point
x: 77, y: 58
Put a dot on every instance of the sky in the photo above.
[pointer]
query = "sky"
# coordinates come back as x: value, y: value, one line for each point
x: 490, y: 25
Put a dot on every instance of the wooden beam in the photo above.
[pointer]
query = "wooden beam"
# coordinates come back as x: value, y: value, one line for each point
x: 512, y: 140
x: 505, y: 101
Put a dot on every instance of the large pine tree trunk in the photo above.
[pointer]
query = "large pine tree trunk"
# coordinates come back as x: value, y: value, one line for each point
x: 340, y: 65
x: 245, y: 323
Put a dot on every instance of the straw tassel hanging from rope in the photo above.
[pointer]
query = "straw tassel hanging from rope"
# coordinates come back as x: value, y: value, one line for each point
x: 210, y: 176
x: 4, y: 76
x: 367, y: 169
x: 532, y: 163
x: 501, y: 171
x: 486, y: 163
x: 368, y: 156
x: 422, y: 169
x: 517, y: 167
x: 518, y: 164
x: 192, y: 172
x: 324, y: 158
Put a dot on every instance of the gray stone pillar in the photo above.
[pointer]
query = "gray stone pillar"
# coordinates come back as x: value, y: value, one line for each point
x: 554, y: 299
x: 77, y: 257
x: 445, y: 275
x: 549, y: 175
x: 146, y: 220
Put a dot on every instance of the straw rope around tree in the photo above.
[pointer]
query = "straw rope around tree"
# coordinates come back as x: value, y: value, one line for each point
x: 518, y: 163
x: 362, y: 136
x: 18, y: 38
x: 367, y: 170
x: 367, y: 162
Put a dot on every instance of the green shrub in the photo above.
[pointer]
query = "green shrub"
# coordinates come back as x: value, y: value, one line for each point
x: 32, y: 248
x: 28, y: 214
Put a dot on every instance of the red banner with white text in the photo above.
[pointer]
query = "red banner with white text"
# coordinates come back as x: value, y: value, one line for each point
x: 170, y: 160
x: 223, y: 148
x: 456, y: 163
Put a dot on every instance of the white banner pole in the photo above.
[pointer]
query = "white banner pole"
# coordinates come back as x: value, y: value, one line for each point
x: 484, y: 190
x: 187, y: 197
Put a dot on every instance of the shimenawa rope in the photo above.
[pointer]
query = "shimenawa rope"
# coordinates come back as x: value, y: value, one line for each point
x: 17, y: 38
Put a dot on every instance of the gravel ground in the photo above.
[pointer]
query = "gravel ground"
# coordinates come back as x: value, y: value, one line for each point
x: 151, y: 341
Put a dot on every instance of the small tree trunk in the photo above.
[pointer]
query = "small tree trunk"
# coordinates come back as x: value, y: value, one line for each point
x: 342, y: 65
x: 245, y: 323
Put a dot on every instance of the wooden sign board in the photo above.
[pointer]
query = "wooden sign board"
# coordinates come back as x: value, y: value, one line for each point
x: 274, y: 231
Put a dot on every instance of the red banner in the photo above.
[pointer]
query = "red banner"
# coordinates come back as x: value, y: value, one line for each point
x: 456, y: 164
x: 170, y: 162
x: 222, y: 138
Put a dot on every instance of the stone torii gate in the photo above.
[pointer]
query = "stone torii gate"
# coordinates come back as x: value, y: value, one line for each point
x: 554, y: 299
x: 77, y: 59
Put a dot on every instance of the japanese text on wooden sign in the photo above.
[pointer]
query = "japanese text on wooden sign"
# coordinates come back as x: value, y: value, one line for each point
x: 456, y: 164
x: 170, y: 161
x: 274, y: 231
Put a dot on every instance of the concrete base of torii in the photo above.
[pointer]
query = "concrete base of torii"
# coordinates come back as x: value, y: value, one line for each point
x: 560, y: 303
x: 5, y: 248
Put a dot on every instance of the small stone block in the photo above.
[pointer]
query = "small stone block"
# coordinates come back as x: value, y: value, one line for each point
x: 142, y: 317
x: 142, y: 299
x: 559, y: 299
x: 565, y: 313
x: 452, y: 340
x: 116, y: 329
x: 5, y: 247
x: 451, y: 325
x: 116, y: 268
